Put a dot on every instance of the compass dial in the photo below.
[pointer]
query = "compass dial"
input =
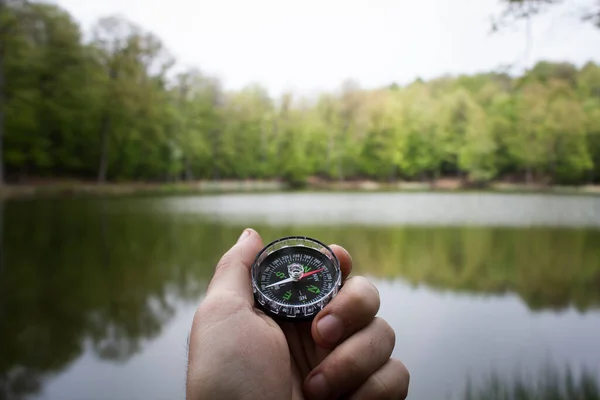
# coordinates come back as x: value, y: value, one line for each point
x: 295, y: 277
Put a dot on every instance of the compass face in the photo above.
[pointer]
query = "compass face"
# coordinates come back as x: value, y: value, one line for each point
x: 295, y: 277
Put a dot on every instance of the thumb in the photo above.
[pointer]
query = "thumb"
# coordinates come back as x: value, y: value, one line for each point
x: 232, y: 273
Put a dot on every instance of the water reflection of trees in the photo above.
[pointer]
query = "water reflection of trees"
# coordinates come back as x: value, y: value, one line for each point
x: 109, y: 274
x: 74, y: 276
x: 548, y: 268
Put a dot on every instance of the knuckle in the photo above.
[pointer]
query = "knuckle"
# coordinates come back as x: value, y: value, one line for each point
x: 207, y: 306
x: 229, y: 261
x: 344, y: 368
x: 379, y: 389
x: 224, y: 262
x: 353, y: 364
x: 204, y: 310
x: 390, y: 382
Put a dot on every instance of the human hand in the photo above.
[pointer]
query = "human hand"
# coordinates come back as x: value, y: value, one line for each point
x: 238, y: 352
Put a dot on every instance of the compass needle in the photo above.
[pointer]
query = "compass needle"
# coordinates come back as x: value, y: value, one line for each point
x: 280, y: 282
x: 311, y: 273
x: 286, y: 264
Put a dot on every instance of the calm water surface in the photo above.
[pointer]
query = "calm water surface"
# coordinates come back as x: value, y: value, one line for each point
x: 97, y: 296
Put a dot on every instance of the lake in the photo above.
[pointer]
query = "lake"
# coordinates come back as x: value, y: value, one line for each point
x: 97, y: 295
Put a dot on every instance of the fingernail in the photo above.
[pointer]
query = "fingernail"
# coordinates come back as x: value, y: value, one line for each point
x: 244, y: 235
x: 318, y: 387
x: 330, y: 329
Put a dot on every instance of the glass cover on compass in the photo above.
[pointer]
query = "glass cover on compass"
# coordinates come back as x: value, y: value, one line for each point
x: 295, y: 277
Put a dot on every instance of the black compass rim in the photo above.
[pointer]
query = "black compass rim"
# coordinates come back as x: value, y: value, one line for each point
x: 297, y: 318
x: 335, y: 258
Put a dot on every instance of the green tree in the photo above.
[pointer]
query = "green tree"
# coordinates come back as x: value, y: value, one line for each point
x: 132, y: 95
x: 110, y: 108
x: 569, y: 159
x: 45, y: 70
x: 592, y: 110
x: 383, y: 145
x: 244, y: 131
x: 194, y: 117
x: 588, y: 81
x: 345, y: 130
x: 477, y: 156
x: 465, y: 136
x: 293, y: 144
x: 425, y: 140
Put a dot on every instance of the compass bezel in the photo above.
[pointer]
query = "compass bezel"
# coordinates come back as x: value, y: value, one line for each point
x: 277, y: 309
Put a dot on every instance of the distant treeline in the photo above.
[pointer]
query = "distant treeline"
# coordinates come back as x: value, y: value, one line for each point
x: 111, y: 106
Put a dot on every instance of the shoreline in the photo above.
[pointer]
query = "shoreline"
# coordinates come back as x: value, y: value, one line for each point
x: 63, y: 189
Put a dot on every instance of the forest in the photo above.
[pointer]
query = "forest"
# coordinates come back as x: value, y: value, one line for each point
x: 114, y: 105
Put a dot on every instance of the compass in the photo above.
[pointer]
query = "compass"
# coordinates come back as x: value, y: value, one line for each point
x: 294, y: 277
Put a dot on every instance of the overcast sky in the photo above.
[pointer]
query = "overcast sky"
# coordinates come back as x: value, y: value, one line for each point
x: 313, y: 45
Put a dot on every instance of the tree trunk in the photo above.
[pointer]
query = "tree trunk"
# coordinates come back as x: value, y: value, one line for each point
x: 436, y: 176
x: 329, y: 151
x: 461, y: 177
x: 392, y: 175
x: 104, y: 149
x: 189, y: 176
x: 528, y: 176
x: 215, y: 154
x: 263, y: 149
x: 1, y: 238
x: 2, y: 272
x: 1, y: 137
x: 275, y: 137
x: 2, y: 100
x: 23, y: 173
x: 106, y: 126
x: 341, y: 155
x: 187, y: 173
x: 217, y: 103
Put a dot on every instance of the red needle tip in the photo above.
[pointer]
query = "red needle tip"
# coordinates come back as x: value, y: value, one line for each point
x: 311, y: 273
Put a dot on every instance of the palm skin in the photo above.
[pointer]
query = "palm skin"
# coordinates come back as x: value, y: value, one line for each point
x: 267, y: 361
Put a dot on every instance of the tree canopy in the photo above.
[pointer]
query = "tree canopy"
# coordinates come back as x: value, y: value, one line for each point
x: 114, y: 107
x: 519, y: 9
